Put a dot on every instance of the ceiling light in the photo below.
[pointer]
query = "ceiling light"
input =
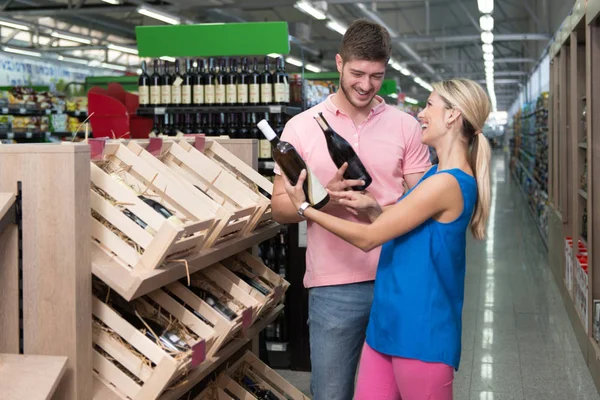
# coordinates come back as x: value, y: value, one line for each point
x: 123, y: 49
x: 488, y: 57
x: 487, y: 37
x: 410, y: 100
x: 274, y: 55
x: 73, y: 60
x: 13, y: 25
x: 159, y: 16
x: 113, y: 2
x: 405, y: 71
x: 489, y: 64
x: 114, y: 66
x: 139, y: 71
x: 167, y: 58
x: 309, y: 9
x: 293, y: 61
x: 335, y: 26
x: 24, y: 52
x: 487, y: 48
x: 396, y: 66
x: 313, y: 68
x: 393, y: 95
x: 485, y: 6
x: 94, y: 63
x: 71, y: 38
x: 486, y: 23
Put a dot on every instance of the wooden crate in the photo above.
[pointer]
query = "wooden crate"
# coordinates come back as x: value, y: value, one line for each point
x: 149, y: 368
x: 233, y: 218
x: 266, y: 377
x: 222, y: 389
x: 254, y: 268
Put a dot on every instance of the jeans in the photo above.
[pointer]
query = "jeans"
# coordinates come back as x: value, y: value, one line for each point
x: 337, y: 319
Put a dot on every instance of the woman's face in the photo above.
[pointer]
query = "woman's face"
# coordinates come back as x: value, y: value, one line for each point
x: 433, y: 119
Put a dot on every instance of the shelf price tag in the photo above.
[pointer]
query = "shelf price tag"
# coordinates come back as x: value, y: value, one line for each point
x: 247, y: 318
x: 160, y: 110
x: 29, y: 135
x: 48, y: 111
x: 4, y: 110
x: 97, y: 148
x: 155, y: 146
x: 23, y: 110
x: 198, y: 353
x: 200, y: 142
x: 277, y: 293
x: 275, y: 109
x: 10, y: 135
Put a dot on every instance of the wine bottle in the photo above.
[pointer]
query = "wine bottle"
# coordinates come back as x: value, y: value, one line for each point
x: 210, y: 124
x: 222, y: 126
x: 281, y: 264
x: 266, y: 84
x: 242, y: 83
x: 220, y: 85
x: 243, y: 127
x: 253, y: 283
x: 279, y: 83
x: 264, y: 146
x: 198, y: 84
x: 286, y: 79
x: 271, y: 256
x: 166, y: 84
x: 291, y: 164
x: 278, y: 124
x: 155, y: 84
x: 209, y: 84
x: 232, y: 125
x: 253, y: 131
x: 231, y: 83
x: 144, y: 87
x: 188, y: 82
x: 139, y: 221
x: 254, y: 85
x: 341, y: 151
x: 162, y: 210
x: 176, y: 86
x: 212, y: 301
x: 256, y: 390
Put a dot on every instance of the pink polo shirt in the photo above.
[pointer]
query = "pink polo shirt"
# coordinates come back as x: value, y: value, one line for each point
x: 389, y: 144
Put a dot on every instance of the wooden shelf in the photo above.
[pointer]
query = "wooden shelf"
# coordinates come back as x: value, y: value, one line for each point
x: 131, y: 286
x: 30, y: 377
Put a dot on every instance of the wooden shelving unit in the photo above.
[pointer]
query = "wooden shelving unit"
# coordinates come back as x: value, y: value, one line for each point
x: 574, y: 171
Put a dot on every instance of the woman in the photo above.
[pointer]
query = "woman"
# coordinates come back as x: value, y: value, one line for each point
x: 414, y: 333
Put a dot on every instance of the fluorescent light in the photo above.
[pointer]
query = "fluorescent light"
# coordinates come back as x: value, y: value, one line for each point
x: 405, y: 71
x: 71, y: 38
x: 488, y: 57
x: 396, y: 66
x: 293, y: 61
x: 159, y: 16
x: 24, y: 52
x: 167, y: 58
x: 313, y: 68
x: 393, y: 95
x: 410, y: 100
x: 486, y: 23
x: 485, y: 6
x: 114, y: 66
x: 337, y: 27
x: 123, y: 49
x: 139, y: 71
x: 487, y: 48
x: 489, y: 64
x: 273, y: 55
x: 423, y: 84
x: 94, y: 63
x: 487, y: 37
x: 15, y: 26
x: 73, y: 60
x: 309, y: 9
x: 113, y: 2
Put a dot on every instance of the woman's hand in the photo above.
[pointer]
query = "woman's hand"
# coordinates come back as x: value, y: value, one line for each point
x: 296, y: 193
x: 357, y: 202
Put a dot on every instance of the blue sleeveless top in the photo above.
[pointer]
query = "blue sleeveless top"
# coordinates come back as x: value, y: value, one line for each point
x: 419, y: 287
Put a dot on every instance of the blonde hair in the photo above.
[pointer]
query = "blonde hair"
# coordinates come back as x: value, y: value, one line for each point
x: 474, y: 105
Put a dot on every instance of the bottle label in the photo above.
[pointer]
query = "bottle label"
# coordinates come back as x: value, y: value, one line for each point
x: 186, y: 94
x: 316, y: 191
x: 266, y: 93
x: 209, y: 94
x: 279, y: 92
x: 254, y: 93
x: 242, y: 94
x: 231, y: 94
x: 144, y: 95
x: 264, y: 148
x: 176, y: 94
x: 165, y: 92
x: 155, y: 95
x: 220, y: 94
x: 199, y: 94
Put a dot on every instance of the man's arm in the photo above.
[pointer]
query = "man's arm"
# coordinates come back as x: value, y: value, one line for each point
x: 412, y: 179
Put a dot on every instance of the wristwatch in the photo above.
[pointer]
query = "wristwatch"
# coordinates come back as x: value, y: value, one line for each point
x: 303, y: 208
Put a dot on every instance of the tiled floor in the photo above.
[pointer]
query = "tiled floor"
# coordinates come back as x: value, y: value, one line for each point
x: 518, y: 343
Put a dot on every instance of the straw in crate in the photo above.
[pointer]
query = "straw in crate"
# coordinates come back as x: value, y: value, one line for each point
x: 140, y: 217
x: 224, y: 388
x: 140, y: 349
x: 232, y: 209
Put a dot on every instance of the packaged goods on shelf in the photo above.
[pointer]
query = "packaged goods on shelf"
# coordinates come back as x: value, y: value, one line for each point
x: 77, y: 104
x: 569, y: 264
x: 316, y: 91
x: 581, y: 288
x: 596, y: 321
x: 59, y: 123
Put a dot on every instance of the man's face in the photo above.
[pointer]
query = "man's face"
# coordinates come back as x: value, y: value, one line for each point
x: 360, y: 80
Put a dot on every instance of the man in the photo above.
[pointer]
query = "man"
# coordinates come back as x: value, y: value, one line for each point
x: 388, y: 141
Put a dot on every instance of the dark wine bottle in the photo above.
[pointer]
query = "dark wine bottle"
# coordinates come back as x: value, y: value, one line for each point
x: 291, y: 164
x: 280, y: 83
x: 266, y: 84
x: 278, y: 128
x: 220, y: 84
x: 213, y: 302
x: 254, y: 85
x: 253, y: 131
x: 176, y: 86
x: 242, y: 83
x: 210, y: 124
x: 166, y: 84
x: 232, y: 125
x: 253, y: 283
x: 198, y: 84
x: 222, y: 126
x: 341, y: 151
x: 155, y: 84
x: 162, y: 210
x: 256, y: 390
x: 144, y: 87
x: 209, y: 84
x: 188, y: 126
x: 243, y: 128
x: 139, y: 221
x: 231, y: 83
x: 281, y: 264
x: 188, y: 83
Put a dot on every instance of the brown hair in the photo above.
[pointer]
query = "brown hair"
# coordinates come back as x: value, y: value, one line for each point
x: 366, y: 40
x: 474, y: 105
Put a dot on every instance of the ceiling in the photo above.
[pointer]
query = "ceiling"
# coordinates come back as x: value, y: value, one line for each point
x: 433, y: 39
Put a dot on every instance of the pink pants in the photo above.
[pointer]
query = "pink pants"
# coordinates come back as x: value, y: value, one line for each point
x: 382, y: 377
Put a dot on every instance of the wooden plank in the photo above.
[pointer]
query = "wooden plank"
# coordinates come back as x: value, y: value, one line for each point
x: 274, y: 377
x: 29, y: 377
x: 122, y: 354
x: 109, y: 240
x: 9, y: 290
x: 6, y: 201
x: 114, y: 375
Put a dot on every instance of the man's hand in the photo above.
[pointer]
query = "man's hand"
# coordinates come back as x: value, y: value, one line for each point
x: 339, y: 184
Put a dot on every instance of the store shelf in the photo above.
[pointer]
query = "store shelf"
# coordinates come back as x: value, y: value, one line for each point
x: 24, y: 111
x: 272, y: 109
x: 131, y: 285
x: 583, y: 193
x: 34, y: 135
x: 531, y: 211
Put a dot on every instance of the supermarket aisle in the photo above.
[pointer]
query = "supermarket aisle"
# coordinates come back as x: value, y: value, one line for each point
x: 518, y: 343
